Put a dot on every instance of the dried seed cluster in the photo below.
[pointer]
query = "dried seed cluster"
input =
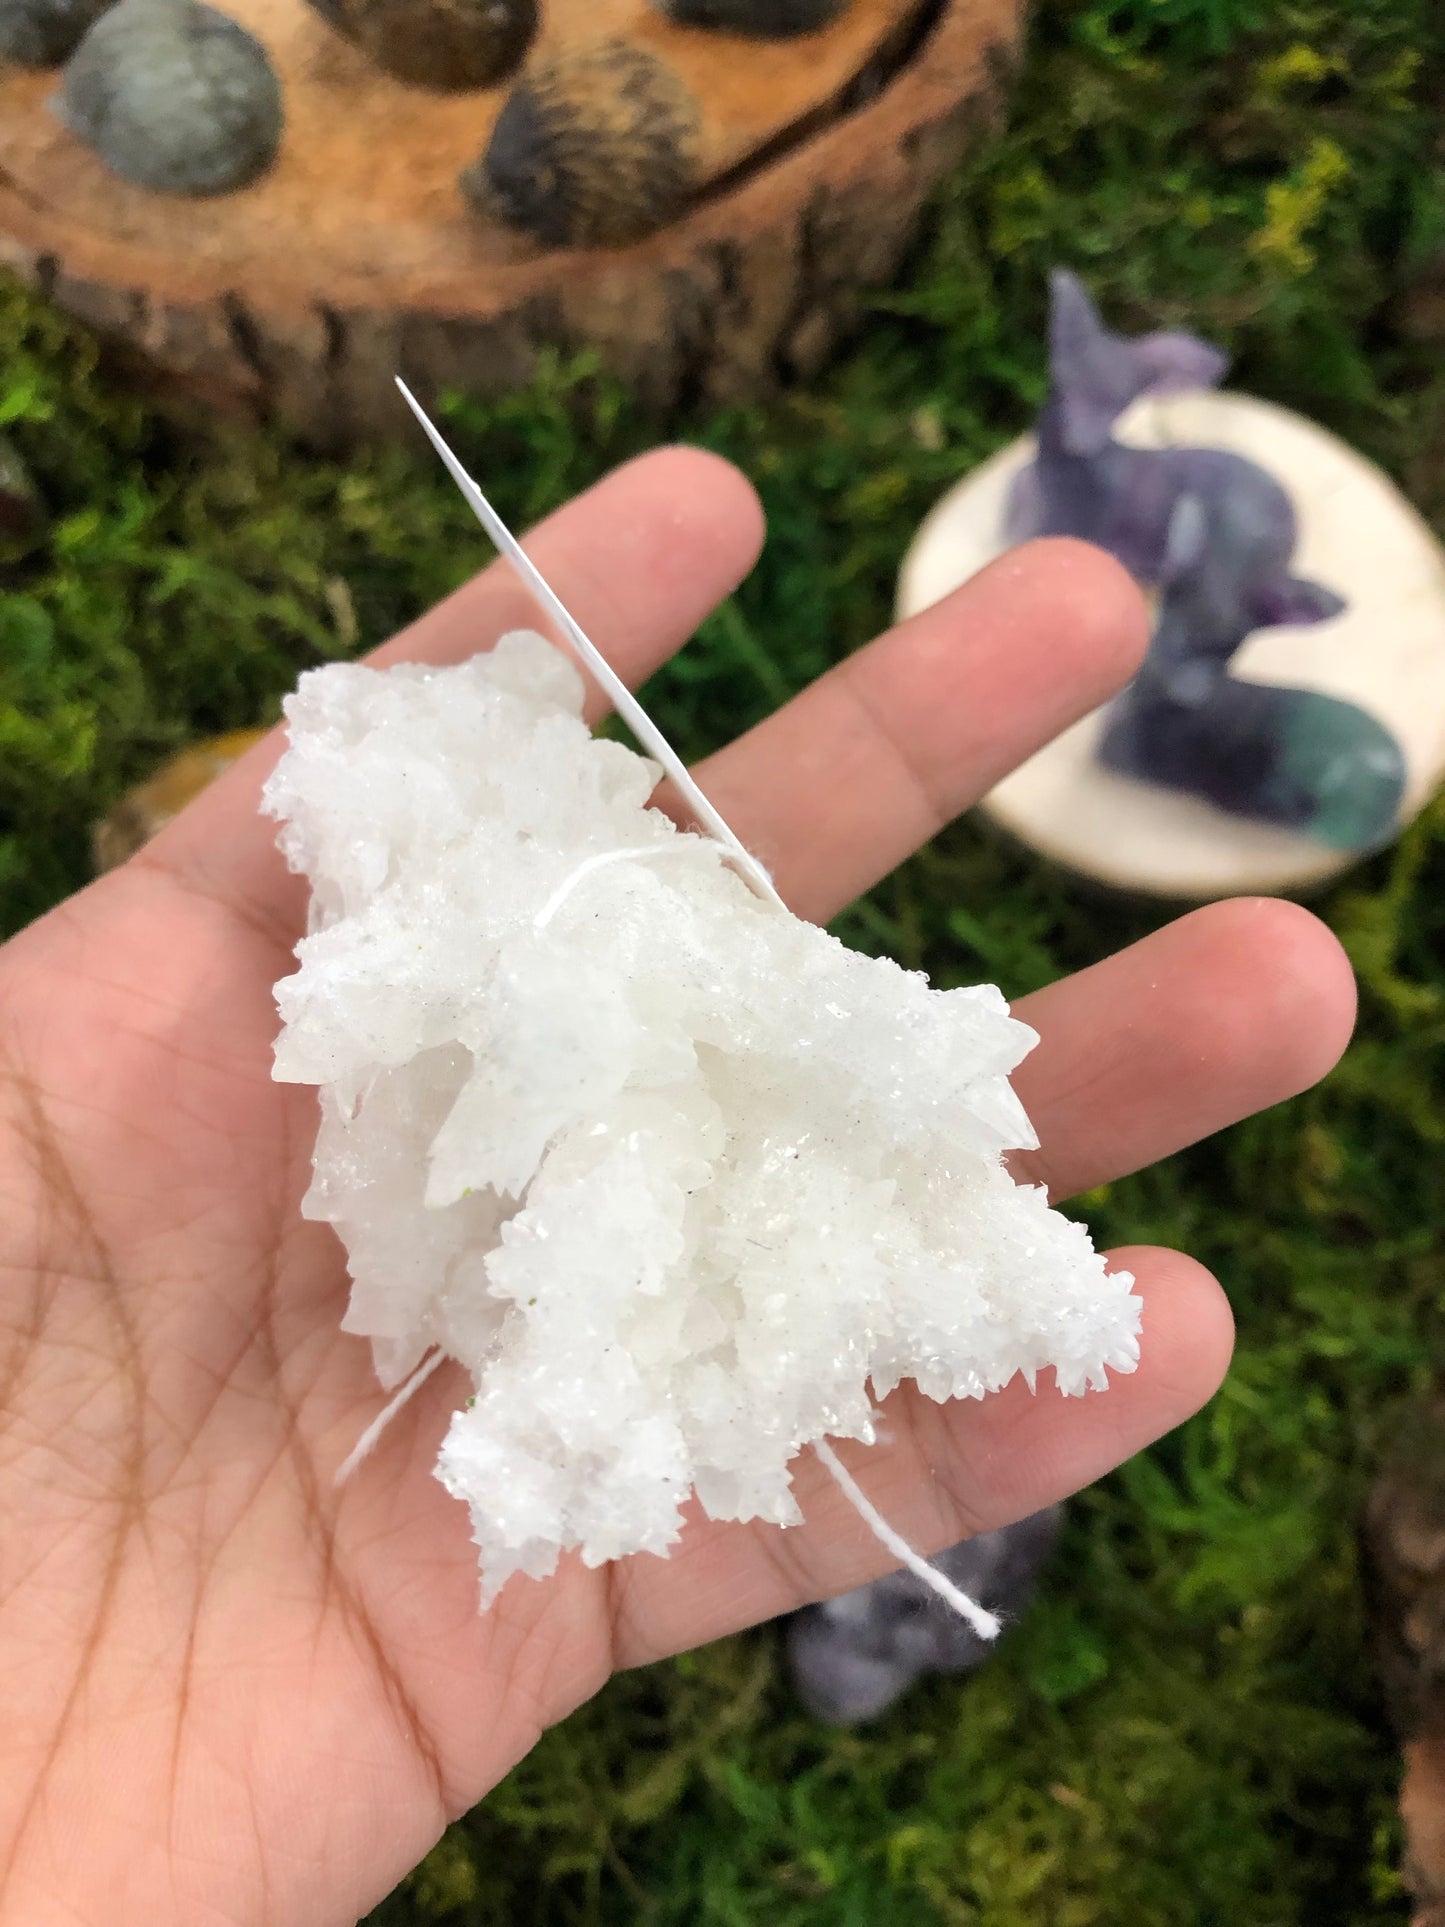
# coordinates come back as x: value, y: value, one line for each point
x: 597, y: 147
x: 449, y: 45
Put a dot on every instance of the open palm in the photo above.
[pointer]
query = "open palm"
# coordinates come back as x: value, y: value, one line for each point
x: 234, y: 1694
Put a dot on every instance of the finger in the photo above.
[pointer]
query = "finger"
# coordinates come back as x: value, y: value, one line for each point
x: 944, y: 1473
x: 640, y: 560
x: 860, y: 769
x: 1231, y: 1009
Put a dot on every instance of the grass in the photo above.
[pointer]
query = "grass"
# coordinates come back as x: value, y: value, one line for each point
x: 1188, y: 1730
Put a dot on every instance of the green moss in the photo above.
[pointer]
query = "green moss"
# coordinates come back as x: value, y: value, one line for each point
x: 1188, y: 1731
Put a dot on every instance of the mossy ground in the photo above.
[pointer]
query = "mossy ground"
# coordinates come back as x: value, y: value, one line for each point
x: 1187, y: 1731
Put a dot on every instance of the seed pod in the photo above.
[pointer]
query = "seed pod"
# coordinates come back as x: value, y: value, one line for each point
x: 174, y: 96
x: 45, y: 33
x: 597, y: 147
x: 759, y: 19
x: 448, y: 45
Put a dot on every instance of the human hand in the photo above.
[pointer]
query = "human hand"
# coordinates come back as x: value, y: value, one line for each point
x: 233, y: 1693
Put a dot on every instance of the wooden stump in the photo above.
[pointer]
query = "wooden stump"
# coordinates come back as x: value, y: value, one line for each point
x: 1405, y: 1546
x: 356, y: 257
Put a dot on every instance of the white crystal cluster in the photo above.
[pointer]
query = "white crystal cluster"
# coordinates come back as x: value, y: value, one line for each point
x: 684, y: 1183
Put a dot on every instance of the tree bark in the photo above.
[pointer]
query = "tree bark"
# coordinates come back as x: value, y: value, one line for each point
x: 356, y: 259
x: 1405, y: 1547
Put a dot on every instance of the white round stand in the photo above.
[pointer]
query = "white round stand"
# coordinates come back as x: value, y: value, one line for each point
x: 1358, y: 536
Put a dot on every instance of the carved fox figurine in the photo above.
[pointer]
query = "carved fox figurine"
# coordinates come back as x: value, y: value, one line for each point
x: 1215, y: 535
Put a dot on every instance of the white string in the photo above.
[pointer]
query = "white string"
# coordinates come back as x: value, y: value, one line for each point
x: 366, y: 1444
x: 986, y: 1624
x: 628, y: 707
x: 651, y: 737
x: 569, y: 883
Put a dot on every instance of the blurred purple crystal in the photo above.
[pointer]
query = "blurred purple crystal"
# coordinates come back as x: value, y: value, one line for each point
x: 1169, y: 514
x: 1215, y: 534
x: 853, y: 1657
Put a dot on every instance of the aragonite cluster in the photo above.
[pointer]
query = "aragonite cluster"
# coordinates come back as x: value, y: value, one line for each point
x: 682, y: 1181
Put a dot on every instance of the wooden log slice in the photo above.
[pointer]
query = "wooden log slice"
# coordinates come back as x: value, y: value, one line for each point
x: 356, y: 257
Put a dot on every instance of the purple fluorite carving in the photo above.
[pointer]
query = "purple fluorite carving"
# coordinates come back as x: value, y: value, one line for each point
x: 1170, y: 515
x: 853, y: 1657
x: 1215, y: 534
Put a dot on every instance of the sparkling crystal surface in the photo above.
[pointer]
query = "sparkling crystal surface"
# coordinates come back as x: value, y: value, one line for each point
x: 684, y: 1183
